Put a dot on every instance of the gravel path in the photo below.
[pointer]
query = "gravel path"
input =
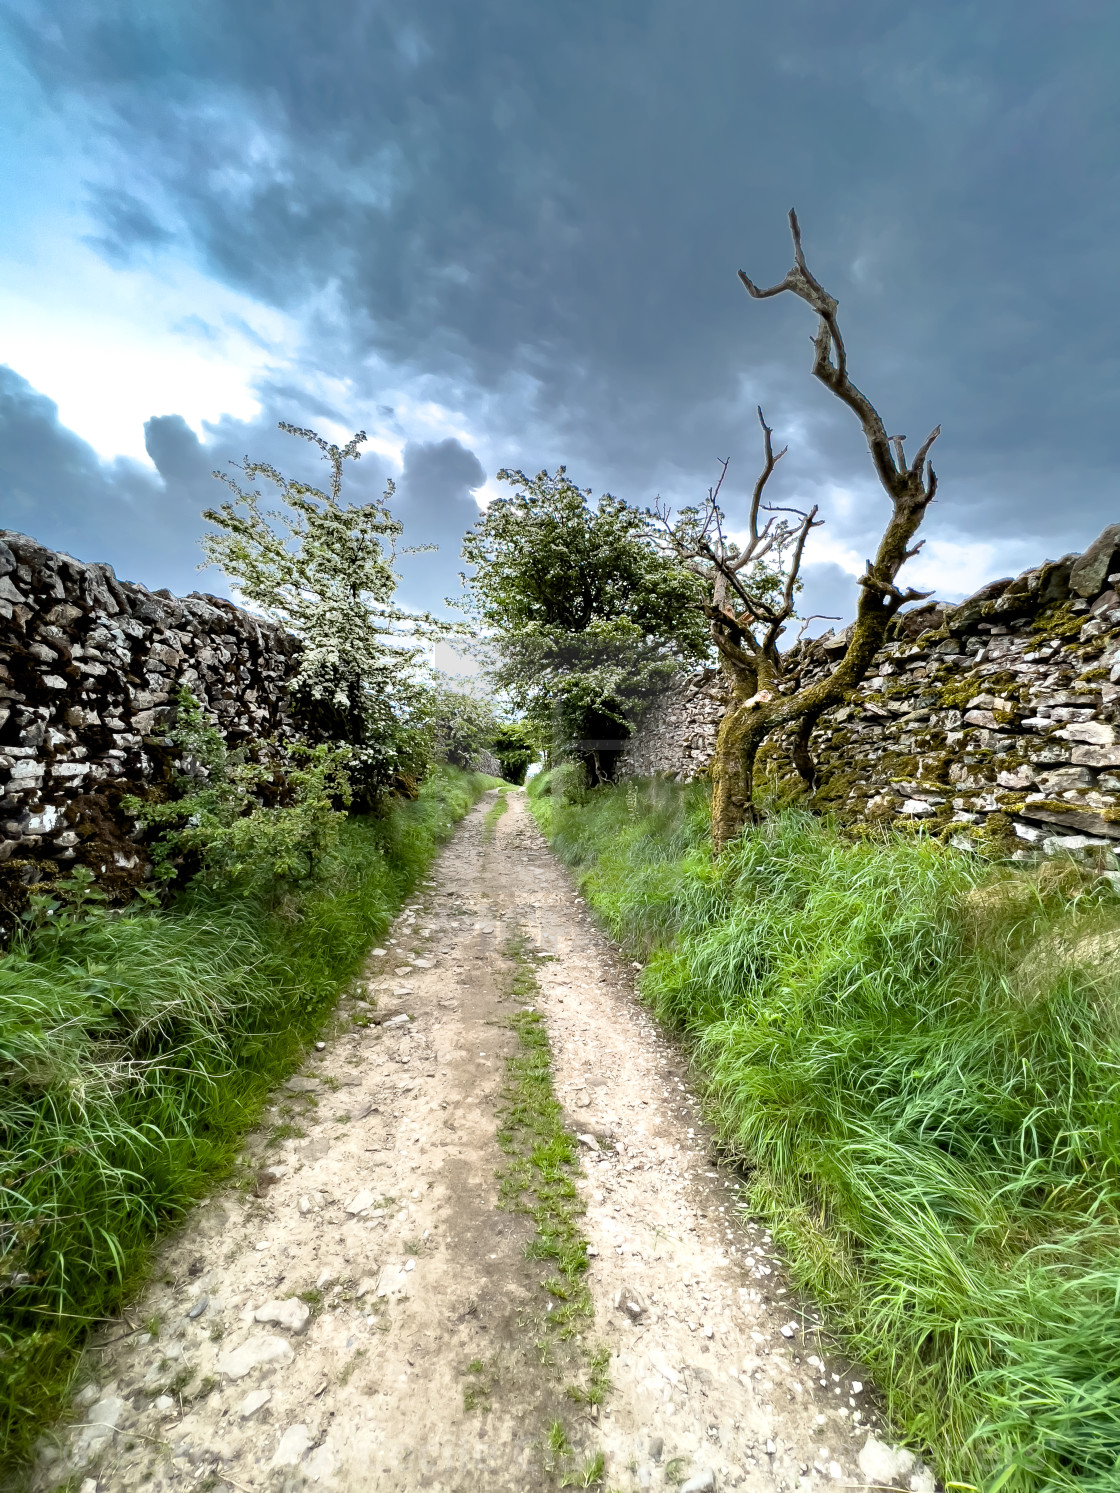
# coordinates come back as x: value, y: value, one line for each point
x: 358, y: 1313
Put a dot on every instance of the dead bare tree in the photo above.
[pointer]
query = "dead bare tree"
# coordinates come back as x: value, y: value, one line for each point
x: 753, y: 587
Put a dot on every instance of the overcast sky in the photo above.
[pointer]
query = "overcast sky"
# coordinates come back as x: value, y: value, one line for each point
x: 505, y: 233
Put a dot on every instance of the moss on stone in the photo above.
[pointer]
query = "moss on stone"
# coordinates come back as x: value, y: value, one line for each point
x: 835, y: 788
x: 1058, y: 621
x: 957, y: 696
x: 899, y: 768
x: 1094, y: 647
x: 936, y: 767
x: 996, y: 837
x: 877, y: 813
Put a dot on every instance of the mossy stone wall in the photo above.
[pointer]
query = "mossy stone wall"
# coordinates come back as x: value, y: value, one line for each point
x: 89, y: 670
x: 995, y: 723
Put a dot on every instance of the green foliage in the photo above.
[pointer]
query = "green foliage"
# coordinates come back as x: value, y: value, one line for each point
x: 515, y: 748
x: 71, y: 899
x: 917, y: 1057
x: 588, y: 619
x: 220, y: 822
x: 323, y: 569
x: 460, y: 724
x: 136, y: 1050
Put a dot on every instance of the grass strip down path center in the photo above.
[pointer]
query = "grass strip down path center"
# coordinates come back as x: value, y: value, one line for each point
x: 539, y: 1181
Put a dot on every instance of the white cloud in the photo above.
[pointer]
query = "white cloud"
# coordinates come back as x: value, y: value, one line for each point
x: 490, y: 490
x: 953, y: 568
x: 114, y: 346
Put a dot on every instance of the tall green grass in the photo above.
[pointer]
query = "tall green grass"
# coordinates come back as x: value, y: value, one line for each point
x: 135, y: 1052
x: 917, y: 1058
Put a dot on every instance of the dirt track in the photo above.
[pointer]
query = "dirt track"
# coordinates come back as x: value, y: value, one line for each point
x: 421, y: 1356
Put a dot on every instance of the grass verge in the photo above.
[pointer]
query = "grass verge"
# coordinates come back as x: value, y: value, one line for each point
x: 136, y: 1051
x: 916, y: 1056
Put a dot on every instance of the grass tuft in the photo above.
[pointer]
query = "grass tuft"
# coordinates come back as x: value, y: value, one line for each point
x: 590, y: 1475
x: 557, y: 1439
x: 916, y: 1058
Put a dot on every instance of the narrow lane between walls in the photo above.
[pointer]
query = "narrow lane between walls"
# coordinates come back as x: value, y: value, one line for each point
x: 392, y: 1295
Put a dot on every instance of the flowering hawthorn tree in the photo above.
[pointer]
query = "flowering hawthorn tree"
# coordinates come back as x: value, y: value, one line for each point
x: 323, y: 569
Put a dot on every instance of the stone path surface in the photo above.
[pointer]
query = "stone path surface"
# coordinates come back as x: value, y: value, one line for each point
x: 356, y: 1312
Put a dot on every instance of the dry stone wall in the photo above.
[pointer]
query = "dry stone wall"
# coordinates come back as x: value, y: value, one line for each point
x: 486, y: 762
x: 995, y: 723
x: 89, y: 669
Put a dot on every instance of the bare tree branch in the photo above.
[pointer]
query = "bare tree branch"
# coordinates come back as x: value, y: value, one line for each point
x: 814, y: 617
x: 830, y: 366
x: 764, y: 476
x: 754, y: 586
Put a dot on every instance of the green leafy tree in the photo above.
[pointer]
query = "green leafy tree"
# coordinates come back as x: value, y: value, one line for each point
x: 460, y: 724
x: 514, y: 746
x: 586, y: 619
x: 323, y: 569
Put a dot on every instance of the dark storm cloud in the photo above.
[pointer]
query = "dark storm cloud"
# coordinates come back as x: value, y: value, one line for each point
x: 147, y: 524
x: 434, y: 503
x: 548, y: 203
x: 54, y: 487
x: 126, y: 223
x: 177, y: 452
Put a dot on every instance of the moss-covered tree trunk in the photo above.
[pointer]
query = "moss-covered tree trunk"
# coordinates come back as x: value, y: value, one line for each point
x: 752, y: 717
x: 732, y: 776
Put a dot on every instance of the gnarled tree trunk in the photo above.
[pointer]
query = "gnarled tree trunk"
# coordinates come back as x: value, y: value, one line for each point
x: 733, y: 772
x: 753, y: 585
x: 748, y: 722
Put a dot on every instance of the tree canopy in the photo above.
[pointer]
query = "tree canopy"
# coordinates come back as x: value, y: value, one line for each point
x: 515, y: 750
x: 585, y: 617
